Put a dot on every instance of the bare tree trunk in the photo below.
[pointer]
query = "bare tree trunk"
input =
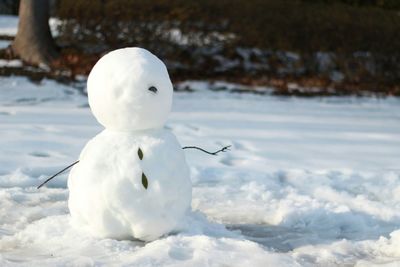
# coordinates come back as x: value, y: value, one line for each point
x: 33, y: 42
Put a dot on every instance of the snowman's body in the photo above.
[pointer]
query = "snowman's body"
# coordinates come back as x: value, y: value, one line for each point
x: 132, y: 179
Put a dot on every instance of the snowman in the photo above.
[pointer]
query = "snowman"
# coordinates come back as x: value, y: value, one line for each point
x: 132, y: 180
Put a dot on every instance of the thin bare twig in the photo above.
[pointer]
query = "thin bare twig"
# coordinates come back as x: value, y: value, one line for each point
x: 63, y: 170
x: 225, y: 148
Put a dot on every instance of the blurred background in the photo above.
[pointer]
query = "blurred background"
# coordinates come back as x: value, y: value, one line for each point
x: 294, y: 47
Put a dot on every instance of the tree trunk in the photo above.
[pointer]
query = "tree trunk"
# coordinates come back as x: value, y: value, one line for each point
x: 33, y: 42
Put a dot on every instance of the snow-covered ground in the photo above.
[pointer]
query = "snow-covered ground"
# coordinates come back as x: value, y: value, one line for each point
x: 308, y: 182
x: 9, y: 25
x: 4, y: 44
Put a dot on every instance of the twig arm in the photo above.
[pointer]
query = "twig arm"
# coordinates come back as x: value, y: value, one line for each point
x: 63, y: 170
x: 225, y: 148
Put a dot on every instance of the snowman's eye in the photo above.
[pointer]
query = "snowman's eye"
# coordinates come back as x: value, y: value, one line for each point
x: 153, y: 89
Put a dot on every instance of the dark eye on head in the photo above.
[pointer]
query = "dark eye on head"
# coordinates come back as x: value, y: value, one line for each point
x: 153, y: 89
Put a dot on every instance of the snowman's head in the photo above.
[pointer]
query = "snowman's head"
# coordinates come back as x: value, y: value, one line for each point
x: 129, y: 89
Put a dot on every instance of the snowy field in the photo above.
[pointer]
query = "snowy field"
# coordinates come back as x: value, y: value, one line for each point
x: 308, y: 182
x: 9, y: 25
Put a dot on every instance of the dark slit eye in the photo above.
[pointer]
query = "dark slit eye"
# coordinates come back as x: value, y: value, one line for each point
x: 153, y: 89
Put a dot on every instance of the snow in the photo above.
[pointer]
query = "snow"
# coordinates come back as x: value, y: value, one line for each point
x: 9, y: 25
x: 14, y: 63
x: 307, y: 181
x: 4, y: 44
x: 120, y: 90
x: 107, y: 194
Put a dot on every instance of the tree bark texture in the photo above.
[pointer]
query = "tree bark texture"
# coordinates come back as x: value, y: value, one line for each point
x: 33, y: 42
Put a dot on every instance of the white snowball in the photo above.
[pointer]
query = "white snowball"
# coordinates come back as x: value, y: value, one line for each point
x: 106, y: 191
x: 118, y: 90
